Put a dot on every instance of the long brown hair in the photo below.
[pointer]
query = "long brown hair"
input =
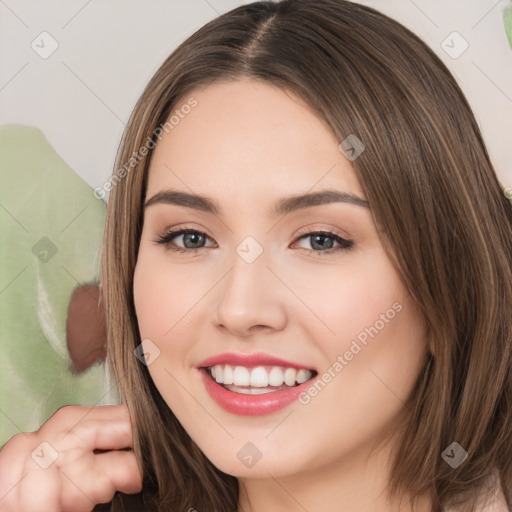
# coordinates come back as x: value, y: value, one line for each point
x: 436, y: 201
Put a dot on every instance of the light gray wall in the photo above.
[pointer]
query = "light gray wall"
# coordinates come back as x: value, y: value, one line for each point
x: 82, y: 94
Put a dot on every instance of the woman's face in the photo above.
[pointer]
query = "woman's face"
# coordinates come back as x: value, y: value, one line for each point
x: 256, y: 278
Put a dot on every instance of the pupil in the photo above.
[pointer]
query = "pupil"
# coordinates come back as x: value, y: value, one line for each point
x: 321, y: 246
x: 191, y: 235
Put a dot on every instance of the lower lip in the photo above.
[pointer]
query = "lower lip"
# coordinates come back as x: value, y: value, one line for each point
x: 251, y: 405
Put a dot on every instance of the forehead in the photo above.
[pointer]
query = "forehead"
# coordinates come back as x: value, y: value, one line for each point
x: 248, y: 139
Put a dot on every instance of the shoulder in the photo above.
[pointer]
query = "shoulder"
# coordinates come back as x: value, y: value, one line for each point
x: 495, y: 503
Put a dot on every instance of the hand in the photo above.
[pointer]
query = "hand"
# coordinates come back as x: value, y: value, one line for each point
x: 86, y: 456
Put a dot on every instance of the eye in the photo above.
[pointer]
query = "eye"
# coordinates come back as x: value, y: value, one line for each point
x: 190, y: 237
x: 323, y: 241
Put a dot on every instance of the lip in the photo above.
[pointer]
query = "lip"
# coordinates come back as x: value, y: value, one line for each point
x: 251, y: 405
x: 250, y: 360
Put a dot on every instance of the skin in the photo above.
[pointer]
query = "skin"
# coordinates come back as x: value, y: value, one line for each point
x: 245, y: 145
x: 78, y: 458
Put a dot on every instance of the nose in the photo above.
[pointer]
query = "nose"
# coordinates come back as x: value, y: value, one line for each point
x: 250, y: 299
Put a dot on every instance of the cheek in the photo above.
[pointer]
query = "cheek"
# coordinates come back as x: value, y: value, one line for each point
x: 163, y: 296
x: 353, y: 301
x: 161, y: 307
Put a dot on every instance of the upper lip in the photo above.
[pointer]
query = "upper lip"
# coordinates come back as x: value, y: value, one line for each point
x: 258, y: 359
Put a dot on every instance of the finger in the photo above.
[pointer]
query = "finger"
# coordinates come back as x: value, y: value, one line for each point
x: 70, y: 415
x: 71, y: 427
x: 112, y: 471
x: 122, y: 469
x: 104, y: 435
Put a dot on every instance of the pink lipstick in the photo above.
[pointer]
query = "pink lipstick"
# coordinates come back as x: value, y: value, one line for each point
x: 237, y: 395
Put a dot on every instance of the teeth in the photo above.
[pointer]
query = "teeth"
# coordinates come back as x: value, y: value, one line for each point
x: 259, y: 377
x: 275, y: 377
x: 290, y: 375
x: 303, y: 376
x: 241, y: 376
x: 228, y: 375
x: 247, y: 390
x: 219, y: 374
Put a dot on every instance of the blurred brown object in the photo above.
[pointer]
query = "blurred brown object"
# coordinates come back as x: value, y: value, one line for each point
x: 85, y: 328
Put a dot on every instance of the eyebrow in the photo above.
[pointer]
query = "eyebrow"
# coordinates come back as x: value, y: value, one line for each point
x: 283, y: 206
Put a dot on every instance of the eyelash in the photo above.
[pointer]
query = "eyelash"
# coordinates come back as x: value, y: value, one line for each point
x: 345, y: 245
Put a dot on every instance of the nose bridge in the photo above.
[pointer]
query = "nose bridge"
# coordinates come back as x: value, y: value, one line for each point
x: 248, y: 268
x: 248, y: 295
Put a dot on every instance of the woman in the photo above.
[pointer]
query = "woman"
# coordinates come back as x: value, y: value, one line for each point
x: 306, y: 277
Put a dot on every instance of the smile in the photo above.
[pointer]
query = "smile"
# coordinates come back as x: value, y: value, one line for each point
x: 254, y: 384
x: 258, y: 380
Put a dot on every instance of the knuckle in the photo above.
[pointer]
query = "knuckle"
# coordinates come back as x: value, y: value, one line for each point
x: 66, y: 411
x: 104, y: 488
x: 62, y: 420
x: 82, y: 432
x: 19, y: 442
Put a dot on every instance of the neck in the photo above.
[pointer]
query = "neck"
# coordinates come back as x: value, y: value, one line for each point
x: 355, y: 484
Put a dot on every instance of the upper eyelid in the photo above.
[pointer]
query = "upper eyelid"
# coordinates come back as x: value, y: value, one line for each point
x: 304, y: 231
